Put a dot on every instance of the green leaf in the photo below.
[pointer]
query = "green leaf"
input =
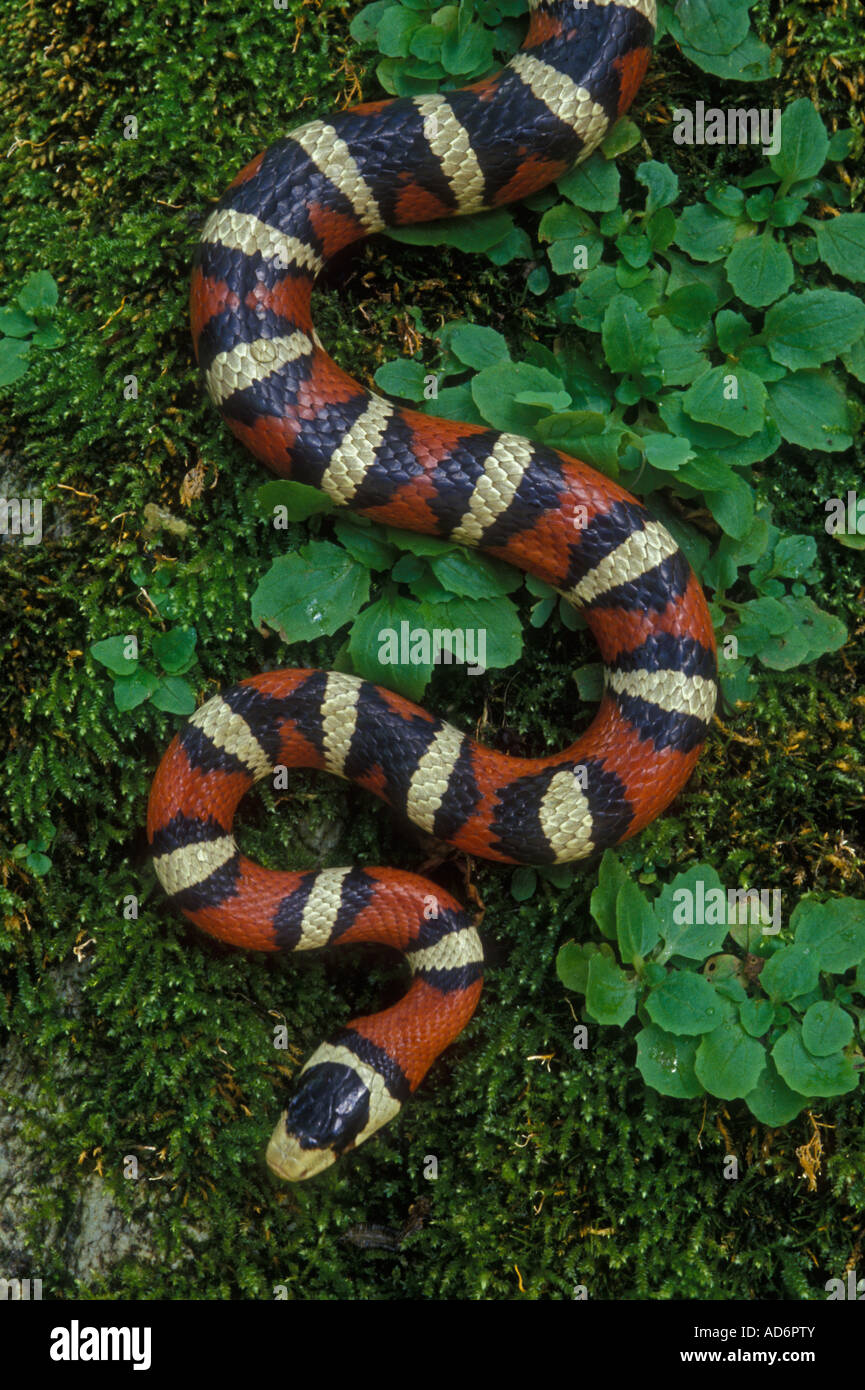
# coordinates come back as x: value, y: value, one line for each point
x: 378, y: 643
x: 807, y: 329
x: 787, y: 632
x: 610, y: 996
x: 310, y: 593
x: 572, y: 964
x: 722, y: 570
x: 477, y: 346
x: 475, y: 576
x: 840, y: 144
x: 681, y: 355
x: 174, y: 696
x: 590, y: 681
x: 685, y: 1004
x: 834, y: 930
x: 628, y: 335
x: 13, y: 359
x: 363, y: 26
x: 403, y: 378
x: 636, y: 249
x: 821, y: 631
x: 749, y: 61
x: 426, y: 43
x: 38, y: 294
x: 662, y: 184
x: 762, y: 616
x: 791, y: 971
x: 756, y: 358
x: 666, y: 1063
x: 130, y: 691
x: 804, y: 144
x: 636, y: 927
x: 38, y: 864
x: 411, y: 569
x: 475, y: 233
x: 732, y: 330
x: 661, y: 228
x: 468, y: 54
x: 455, y: 403
x: 48, y: 337
x: 516, y: 245
x: 690, y: 308
x: 524, y: 881
x: 826, y: 1028
x: 497, y: 619
x: 593, y: 185
x: 417, y: 543
x: 623, y: 135
x: 14, y: 323
x: 612, y: 876
x: 854, y: 359
x: 366, y: 544
x: 394, y: 30
x: 755, y: 1016
x: 667, y: 451
x: 771, y: 1101
x: 298, y: 500
x: 683, y: 898
x: 730, y: 449
x: 834, y: 1075
x: 711, y: 26
x: 705, y: 234
x: 732, y: 398
x: 785, y: 212
x: 733, y: 508
x: 111, y: 652
x: 727, y: 198
x: 841, y: 243
x: 728, y: 1062
x: 175, y: 651
x: 545, y: 400
x: 495, y: 390
x: 811, y: 409
x: 793, y: 556
x: 570, y: 424
x: 760, y: 270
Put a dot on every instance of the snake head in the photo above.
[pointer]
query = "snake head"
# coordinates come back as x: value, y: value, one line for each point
x: 339, y: 1103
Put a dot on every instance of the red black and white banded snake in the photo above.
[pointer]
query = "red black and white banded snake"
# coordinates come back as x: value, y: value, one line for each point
x: 326, y: 185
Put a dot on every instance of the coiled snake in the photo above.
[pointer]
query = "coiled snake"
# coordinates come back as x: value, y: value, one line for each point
x: 305, y: 198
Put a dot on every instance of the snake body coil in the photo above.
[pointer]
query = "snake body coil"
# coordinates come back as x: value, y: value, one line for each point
x: 305, y: 198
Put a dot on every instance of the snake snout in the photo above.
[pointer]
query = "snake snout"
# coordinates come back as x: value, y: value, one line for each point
x: 287, y: 1159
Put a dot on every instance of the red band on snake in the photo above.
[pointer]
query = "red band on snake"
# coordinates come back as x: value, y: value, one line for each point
x: 326, y: 185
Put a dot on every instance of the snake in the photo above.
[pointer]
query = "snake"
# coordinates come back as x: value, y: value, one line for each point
x: 321, y: 188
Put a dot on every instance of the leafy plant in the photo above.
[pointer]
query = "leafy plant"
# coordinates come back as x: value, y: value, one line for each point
x: 710, y: 353
x: 426, y: 46
x: 767, y: 1021
x: 716, y: 36
x: 173, y: 651
x: 431, y: 586
x: 26, y: 323
x: 34, y: 853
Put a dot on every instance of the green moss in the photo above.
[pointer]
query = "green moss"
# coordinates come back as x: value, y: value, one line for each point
x: 552, y: 1172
